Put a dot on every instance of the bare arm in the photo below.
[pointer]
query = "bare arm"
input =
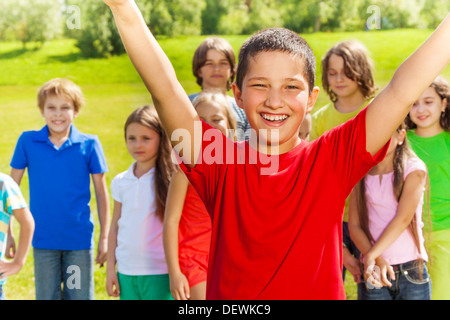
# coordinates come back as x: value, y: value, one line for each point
x: 10, y: 249
x: 171, y: 102
x: 413, y: 76
x: 26, y: 223
x: 357, y: 234
x: 176, y: 195
x: 102, y: 198
x: 112, y: 281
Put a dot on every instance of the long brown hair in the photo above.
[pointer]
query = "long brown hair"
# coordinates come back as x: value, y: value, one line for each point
x: 402, y: 153
x: 164, y: 167
x: 357, y: 66
x: 442, y: 88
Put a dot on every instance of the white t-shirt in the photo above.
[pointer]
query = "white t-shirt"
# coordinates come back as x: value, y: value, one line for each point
x: 140, y: 248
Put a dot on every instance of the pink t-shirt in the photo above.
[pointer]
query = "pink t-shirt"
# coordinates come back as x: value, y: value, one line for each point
x: 382, y: 208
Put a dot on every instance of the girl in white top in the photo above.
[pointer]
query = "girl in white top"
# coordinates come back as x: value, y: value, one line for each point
x: 135, y: 238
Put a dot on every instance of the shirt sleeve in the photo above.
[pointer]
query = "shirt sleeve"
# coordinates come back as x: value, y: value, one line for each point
x: 115, y: 190
x: 97, y: 161
x: 414, y: 164
x: 19, y: 159
x: 346, y: 145
x: 12, y: 196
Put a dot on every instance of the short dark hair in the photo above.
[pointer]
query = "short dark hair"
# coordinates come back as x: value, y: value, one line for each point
x: 276, y: 39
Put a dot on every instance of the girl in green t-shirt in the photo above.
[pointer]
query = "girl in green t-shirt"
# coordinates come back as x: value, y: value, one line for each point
x: 429, y: 135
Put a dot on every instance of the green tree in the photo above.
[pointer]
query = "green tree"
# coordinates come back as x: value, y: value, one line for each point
x: 211, y: 15
x: 309, y: 15
x: 262, y: 14
x: 433, y: 12
x: 173, y: 17
x: 235, y: 19
x: 35, y: 20
x: 97, y: 35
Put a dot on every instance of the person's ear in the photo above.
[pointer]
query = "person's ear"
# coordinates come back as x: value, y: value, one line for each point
x: 401, y: 136
x: 237, y: 95
x: 312, y: 99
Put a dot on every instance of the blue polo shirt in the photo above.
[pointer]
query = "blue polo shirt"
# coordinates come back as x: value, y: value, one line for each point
x: 59, y: 184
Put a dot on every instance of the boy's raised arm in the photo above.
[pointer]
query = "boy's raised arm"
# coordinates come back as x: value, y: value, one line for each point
x: 171, y: 102
x: 413, y: 76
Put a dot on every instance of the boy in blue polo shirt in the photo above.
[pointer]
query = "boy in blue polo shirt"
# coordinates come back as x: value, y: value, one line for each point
x: 60, y: 161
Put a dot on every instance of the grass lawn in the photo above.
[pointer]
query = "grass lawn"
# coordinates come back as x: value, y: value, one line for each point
x: 113, y: 89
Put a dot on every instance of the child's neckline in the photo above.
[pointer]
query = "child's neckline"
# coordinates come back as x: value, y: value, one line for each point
x: 360, y: 106
x: 134, y: 167
x: 428, y: 137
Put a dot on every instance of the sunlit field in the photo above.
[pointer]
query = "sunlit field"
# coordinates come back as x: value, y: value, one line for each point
x: 113, y: 89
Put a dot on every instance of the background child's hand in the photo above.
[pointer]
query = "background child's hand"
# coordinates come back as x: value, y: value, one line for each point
x: 102, y: 250
x: 372, y: 275
x: 179, y: 287
x: 9, y: 268
x: 10, y: 249
x: 112, y: 284
x: 376, y: 271
x: 353, y: 266
x: 385, y: 269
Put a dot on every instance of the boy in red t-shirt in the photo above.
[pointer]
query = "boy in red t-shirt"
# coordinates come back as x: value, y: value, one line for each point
x: 276, y: 203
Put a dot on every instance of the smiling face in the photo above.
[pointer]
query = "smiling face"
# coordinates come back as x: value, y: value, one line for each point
x: 142, y: 143
x: 58, y: 112
x: 216, y: 71
x: 426, y: 113
x: 275, y: 97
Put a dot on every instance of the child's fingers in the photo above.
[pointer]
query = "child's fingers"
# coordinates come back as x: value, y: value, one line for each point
x: 391, y: 272
x: 187, y: 291
x: 384, y: 279
x: 10, y: 252
x: 117, y: 289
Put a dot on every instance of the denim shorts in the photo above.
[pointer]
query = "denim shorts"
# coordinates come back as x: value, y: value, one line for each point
x: 64, y: 274
x: 408, y: 285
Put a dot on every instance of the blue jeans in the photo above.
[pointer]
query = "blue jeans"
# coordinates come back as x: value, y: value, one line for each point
x: 64, y: 274
x: 407, y: 285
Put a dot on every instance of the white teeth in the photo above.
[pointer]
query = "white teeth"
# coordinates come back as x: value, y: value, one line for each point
x: 274, y: 118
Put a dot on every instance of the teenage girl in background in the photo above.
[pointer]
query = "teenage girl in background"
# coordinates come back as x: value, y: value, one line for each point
x: 429, y: 135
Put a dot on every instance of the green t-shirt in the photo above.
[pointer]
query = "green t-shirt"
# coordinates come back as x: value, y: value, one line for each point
x: 435, y: 152
x: 327, y: 118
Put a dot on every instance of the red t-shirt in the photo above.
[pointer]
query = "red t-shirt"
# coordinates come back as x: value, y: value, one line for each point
x: 279, y: 236
x: 194, y: 233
